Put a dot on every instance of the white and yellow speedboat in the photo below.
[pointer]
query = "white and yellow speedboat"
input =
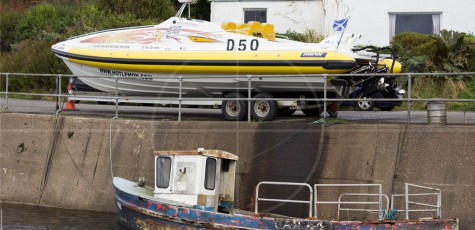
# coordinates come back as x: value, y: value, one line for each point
x: 180, y: 47
x: 202, y: 52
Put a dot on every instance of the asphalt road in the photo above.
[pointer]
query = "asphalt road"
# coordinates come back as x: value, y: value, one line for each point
x: 171, y: 114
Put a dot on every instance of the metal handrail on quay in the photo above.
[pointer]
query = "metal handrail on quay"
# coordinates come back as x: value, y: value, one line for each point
x: 379, y: 187
x: 309, y: 202
x: 384, y: 212
x: 340, y: 202
x: 427, y: 207
x: 59, y: 94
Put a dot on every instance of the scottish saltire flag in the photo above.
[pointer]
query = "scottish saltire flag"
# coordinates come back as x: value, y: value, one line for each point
x: 339, y: 25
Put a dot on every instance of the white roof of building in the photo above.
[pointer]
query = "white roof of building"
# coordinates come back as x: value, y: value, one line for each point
x: 203, y: 152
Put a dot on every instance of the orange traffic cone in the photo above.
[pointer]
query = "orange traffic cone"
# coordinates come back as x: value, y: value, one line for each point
x: 69, y: 105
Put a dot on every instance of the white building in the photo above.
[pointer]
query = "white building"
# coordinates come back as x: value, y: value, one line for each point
x: 377, y: 20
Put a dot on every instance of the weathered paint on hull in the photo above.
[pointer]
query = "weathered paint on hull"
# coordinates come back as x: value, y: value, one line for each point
x: 140, y: 213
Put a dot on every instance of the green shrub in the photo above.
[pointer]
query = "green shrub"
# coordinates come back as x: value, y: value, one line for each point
x: 8, y: 22
x: 310, y: 36
x: 419, y: 52
x: 141, y: 9
x: 40, y: 20
x: 449, y: 52
x: 32, y: 56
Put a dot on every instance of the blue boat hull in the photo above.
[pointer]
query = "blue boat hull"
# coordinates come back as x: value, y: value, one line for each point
x: 140, y: 213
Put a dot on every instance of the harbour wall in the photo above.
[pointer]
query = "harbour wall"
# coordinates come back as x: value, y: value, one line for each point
x: 65, y: 161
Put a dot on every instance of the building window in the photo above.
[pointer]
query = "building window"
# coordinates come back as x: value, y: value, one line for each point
x: 258, y: 15
x: 423, y: 23
x: 210, y: 173
x: 164, y: 165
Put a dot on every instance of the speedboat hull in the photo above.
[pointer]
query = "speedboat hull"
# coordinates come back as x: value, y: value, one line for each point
x: 196, y: 85
x: 151, y: 60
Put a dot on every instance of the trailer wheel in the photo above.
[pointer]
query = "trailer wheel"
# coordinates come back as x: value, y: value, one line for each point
x: 234, y: 110
x: 263, y: 110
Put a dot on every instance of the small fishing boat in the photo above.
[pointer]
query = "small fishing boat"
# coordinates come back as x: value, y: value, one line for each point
x: 183, y: 57
x: 195, y: 190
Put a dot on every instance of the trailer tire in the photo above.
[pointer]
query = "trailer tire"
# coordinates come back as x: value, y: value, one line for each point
x: 234, y: 110
x: 263, y: 110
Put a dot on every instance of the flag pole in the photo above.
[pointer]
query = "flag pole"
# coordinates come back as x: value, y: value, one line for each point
x: 342, y: 32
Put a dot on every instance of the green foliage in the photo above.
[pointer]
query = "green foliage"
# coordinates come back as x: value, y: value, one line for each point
x: 200, y: 10
x: 8, y: 22
x: 39, y: 21
x: 450, y: 52
x: 419, y: 52
x: 310, y: 36
x: 90, y: 19
x: 141, y: 9
x: 32, y: 56
x: 461, y: 53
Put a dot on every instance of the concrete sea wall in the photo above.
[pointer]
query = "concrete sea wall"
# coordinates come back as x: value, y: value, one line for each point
x: 65, y: 162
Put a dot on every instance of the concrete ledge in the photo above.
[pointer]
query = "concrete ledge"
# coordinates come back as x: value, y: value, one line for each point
x: 64, y: 161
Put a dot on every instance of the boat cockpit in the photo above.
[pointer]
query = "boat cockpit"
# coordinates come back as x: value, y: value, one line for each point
x: 202, y: 178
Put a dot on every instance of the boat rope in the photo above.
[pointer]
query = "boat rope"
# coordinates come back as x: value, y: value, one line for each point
x: 57, y: 126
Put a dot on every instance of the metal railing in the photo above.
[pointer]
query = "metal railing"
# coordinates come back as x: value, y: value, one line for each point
x: 309, y: 202
x: 382, y: 212
x: 380, y: 209
x: 340, y: 202
x: 238, y: 78
x: 427, y: 207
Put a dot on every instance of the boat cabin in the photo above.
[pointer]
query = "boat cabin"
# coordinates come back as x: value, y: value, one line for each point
x: 202, y: 178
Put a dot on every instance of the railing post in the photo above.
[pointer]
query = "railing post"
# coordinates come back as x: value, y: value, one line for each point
x: 116, y: 97
x: 380, y: 200
x: 6, y: 93
x: 180, y: 78
x: 406, y: 195
x: 256, y: 202
x: 439, y: 204
x: 249, y: 98
x: 315, y: 192
x: 409, y: 91
x: 58, y: 97
x: 325, y: 97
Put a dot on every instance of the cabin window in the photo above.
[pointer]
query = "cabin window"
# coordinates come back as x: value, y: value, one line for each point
x: 258, y: 15
x: 423, y: 23
x: 164, y: 165
x: 210, y: 173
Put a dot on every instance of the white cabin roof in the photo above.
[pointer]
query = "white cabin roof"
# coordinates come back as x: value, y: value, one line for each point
x: 202, y: 152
